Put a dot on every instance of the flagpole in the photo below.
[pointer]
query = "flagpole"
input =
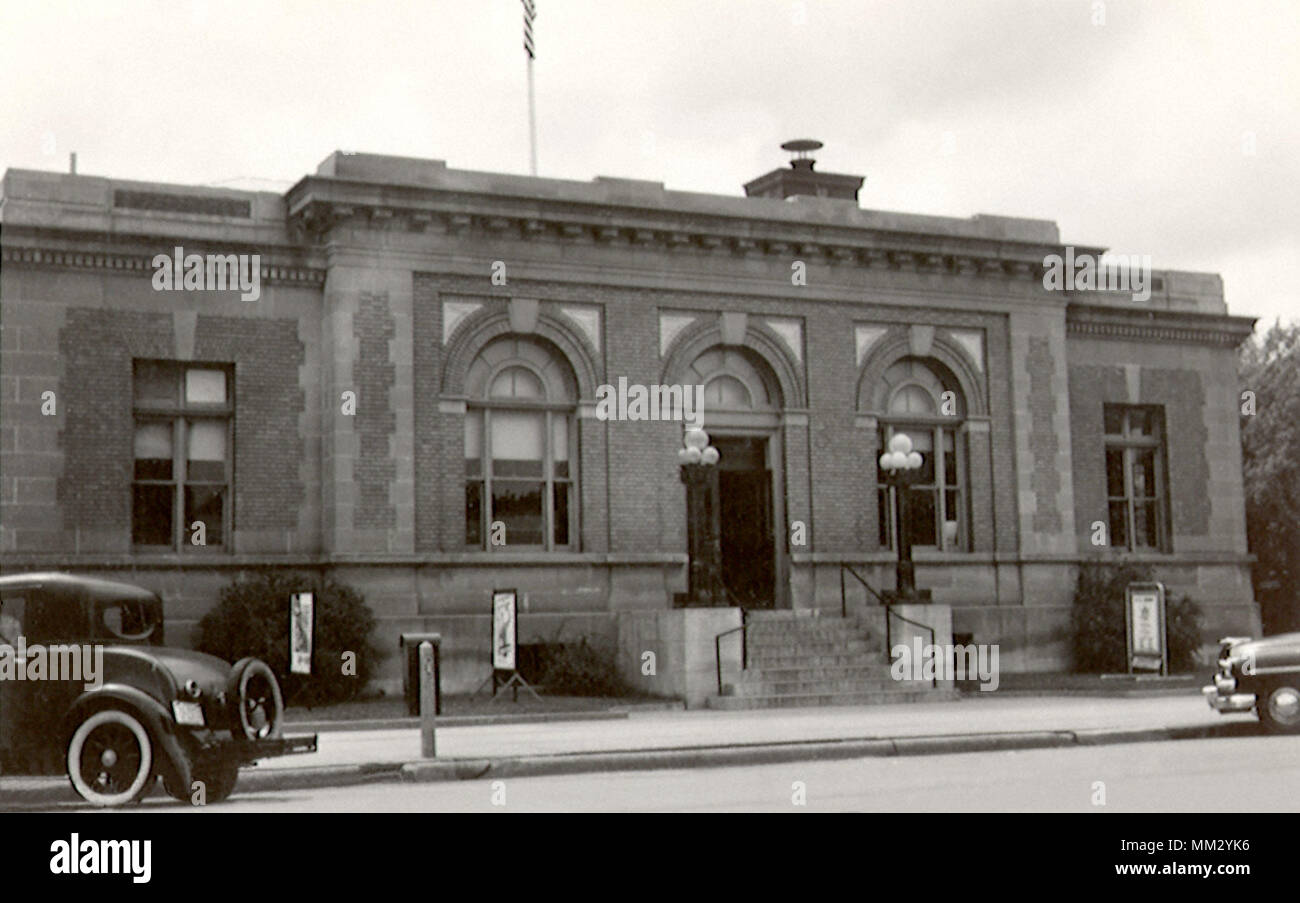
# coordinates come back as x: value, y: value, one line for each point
x: 532, y: 121
x: 530, y: 13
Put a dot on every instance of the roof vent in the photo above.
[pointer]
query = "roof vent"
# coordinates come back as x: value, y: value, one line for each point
x: 802, y: 180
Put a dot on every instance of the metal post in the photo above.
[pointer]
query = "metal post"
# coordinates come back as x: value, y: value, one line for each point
x: 844, y: 611
x: 428, y: 701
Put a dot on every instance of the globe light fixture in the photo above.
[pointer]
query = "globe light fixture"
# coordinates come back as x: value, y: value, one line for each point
x: 901, y: 466
x: 699, y: 460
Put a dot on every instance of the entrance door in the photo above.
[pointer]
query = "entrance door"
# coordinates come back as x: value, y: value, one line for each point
x: 745, y: 513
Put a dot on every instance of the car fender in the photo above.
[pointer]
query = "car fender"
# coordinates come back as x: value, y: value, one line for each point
x: 152, y: 712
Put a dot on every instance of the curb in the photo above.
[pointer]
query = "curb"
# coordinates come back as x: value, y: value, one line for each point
x: 386, y: 724
x: 255, y: 780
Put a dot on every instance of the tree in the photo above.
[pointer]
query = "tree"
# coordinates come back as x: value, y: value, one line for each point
x: 1269, y: 369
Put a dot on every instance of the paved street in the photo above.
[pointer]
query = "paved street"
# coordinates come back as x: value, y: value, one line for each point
x: 1231, y: 775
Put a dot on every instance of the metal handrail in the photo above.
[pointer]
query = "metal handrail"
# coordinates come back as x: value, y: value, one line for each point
x: 744, y: 646
x: 845, y: 566
x: 889, y: 642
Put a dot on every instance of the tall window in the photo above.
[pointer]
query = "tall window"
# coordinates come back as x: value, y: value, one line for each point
x: 915, y: 403
x: 182, y: 475
x: 1135, y: 478
x: 520, y: 468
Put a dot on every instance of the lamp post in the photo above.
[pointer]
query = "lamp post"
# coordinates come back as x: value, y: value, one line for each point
x: 902, y: 466
x: 700, y: 474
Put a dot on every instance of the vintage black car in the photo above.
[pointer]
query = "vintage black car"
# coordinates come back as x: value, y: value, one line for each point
x: 88, y: 688
x: 1263, y: 675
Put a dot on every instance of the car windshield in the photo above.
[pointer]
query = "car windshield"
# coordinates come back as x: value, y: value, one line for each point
x: 128, y: 619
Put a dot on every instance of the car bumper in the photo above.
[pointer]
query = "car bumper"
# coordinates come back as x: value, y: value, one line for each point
x: 252, y: 750
x: 1224, y: 703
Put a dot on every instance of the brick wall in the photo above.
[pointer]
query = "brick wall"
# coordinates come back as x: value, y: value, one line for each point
x: 1042, y: 439
x: 374, y: 374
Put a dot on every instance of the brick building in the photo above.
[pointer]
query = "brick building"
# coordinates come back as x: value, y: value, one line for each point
x: 474, y: 317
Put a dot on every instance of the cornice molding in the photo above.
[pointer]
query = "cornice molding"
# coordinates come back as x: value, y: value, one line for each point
x: 55, y: 258
x: 1220, y: 331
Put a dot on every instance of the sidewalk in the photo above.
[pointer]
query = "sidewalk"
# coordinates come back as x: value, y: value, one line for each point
x: 669, y: 739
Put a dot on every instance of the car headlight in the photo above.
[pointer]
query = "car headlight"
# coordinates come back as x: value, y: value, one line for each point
x: 192, y: 687
x: 189, y: 714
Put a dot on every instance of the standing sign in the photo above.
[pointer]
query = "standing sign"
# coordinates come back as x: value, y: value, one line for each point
x: 505, y: 644
x: 300, y: 633
x: 505, y: 630
x: 1144, y: 614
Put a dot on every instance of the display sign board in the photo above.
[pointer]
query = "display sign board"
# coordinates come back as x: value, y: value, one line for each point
x: 505, y: 629
x: 1144, y: 613
x: 300, y: 633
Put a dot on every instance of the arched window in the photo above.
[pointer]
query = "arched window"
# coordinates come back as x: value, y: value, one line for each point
x: 918, y: 397
x: 731, y: 381
x: 520, y: 469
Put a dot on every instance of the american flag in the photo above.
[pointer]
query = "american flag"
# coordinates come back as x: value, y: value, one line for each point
x: 530, y: 13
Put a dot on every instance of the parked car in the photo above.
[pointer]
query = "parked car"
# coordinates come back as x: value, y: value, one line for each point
x: 147, y: 711
x: 1261, y: 675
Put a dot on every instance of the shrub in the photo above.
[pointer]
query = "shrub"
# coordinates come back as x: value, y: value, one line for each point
x: 1097, y: 620
x: 253, y: 619
x: 579, y: 668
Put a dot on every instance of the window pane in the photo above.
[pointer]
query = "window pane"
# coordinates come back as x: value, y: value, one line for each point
x: 1114, y: 417
x: 1119, y: 525
x: 912, y: 399
x: 473, y: 443
x: 205, y: 386
x: 1144, y: 473
x: 560, y: 500
x: 727, y: 392
x: 1115, y: 472
x: 952, y: 517
x: 517, y: 382
x: 206, y: 456
x: 1140, y: 421
x: 560, y: 445
x: 474, y: 514
x: 1144, y: 530
x: 151, y: 515
x: 920, y: 516
x: 153, y: 451
x: 204, y: 503
x: 517, y: 438
x: 519, y: 506
x: 949, y: 458
x: 923, y: 442
x: 155, y: 382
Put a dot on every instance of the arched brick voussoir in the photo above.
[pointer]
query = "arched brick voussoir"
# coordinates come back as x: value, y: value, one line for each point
x: 483, y: 327
x: 700, y: 337
x: 896, y: 345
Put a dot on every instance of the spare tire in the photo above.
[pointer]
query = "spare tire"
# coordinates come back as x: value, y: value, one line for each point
x: 257, y: 708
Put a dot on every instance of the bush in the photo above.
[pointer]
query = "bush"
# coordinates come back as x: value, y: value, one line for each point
x: 1097, y: 620
x: 579, y: 668
x: 253, y: 619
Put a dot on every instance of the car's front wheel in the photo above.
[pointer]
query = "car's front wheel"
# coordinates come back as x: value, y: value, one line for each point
x: 1279, y: 708
x: 110, y: 758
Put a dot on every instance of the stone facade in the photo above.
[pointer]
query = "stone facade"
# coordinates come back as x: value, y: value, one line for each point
x: 388, y: 277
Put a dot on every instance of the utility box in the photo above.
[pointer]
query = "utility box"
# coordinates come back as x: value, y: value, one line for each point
x: 410, y: 645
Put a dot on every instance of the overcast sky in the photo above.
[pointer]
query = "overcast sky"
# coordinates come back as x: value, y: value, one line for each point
x: 1169, y: 130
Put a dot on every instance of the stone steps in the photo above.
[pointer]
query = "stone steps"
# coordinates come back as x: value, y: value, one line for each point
x: 798, y: 658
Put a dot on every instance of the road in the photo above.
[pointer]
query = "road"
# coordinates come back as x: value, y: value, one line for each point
x: 1251, y: 774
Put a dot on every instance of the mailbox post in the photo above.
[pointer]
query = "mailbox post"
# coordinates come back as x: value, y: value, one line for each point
x: 428, y: 682
x: 410, y: 643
